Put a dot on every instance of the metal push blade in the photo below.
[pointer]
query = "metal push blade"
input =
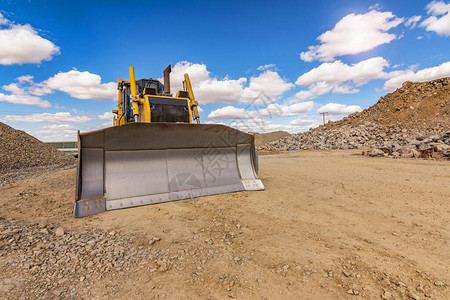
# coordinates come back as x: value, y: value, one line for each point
x: 146, y: 163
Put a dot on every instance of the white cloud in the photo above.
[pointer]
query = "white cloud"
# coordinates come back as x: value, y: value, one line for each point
x: 200, y: 110
x: 307, y: 121
x: 376, y: 6
x: 345, y: 89
x: 268, y: 83
x: 25, y: 99
x: 3, y: 20
x: 290, y: 110
x: 62, y: 132
x: 354, y: 34
x: 439, y: 21
x: 301, y: 124
x: 18, y: 95
x: 229, y: 112
x: 38, y: 89
x: 397, y: 78
x: 14, y: 88
x: 106, y: 116
x: 280, y: 110
x: 25, y: 79
x: 60, y: 117
x: 358, y: 73
x: 265, y: 67
x: 55, y: 133
x: 340, y: 78
x: 338, y: 109
x: 20, y: 44
x: 412, y: 22
x: 81, y: 85
x: 208, y: 89
x: 262, y: 126
x: 214, y: 90
x: 197, y: 73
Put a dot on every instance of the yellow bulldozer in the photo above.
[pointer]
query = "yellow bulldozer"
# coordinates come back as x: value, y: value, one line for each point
x: 157, y: 151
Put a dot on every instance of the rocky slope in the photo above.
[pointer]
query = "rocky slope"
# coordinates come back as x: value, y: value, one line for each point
x: 416, y: 106
x: 415, y: 117
x: 20, y: 151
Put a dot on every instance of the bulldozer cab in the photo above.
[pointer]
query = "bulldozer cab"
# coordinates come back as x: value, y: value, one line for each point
x: 163, y: 108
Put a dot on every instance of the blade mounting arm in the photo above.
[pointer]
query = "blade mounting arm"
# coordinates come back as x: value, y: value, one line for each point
x: 134, y: 97
x: 192, y: 101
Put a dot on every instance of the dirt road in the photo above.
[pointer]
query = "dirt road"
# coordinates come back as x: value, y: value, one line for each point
x: 330, y: 225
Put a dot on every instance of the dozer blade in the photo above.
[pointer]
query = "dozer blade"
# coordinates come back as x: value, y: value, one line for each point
x: 146, y: 163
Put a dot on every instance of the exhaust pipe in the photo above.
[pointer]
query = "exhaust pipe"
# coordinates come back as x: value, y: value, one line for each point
x: 167, y: 80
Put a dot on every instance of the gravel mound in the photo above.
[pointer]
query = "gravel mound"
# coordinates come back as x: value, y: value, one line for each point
x: 20, y: 151
x: 415, y: 117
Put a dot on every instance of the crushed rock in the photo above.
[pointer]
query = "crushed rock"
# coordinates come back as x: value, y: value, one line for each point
x: 412, y: 122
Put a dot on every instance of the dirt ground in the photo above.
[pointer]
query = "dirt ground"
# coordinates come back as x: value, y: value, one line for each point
x: 330, y: 225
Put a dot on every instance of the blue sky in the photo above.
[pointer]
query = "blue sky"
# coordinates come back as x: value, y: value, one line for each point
x: 255, y: 65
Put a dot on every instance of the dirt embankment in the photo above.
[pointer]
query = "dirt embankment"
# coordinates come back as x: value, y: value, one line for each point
x: 264, y: 138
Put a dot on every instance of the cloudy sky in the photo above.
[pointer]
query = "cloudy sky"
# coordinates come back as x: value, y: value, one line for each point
x: 256, y: 65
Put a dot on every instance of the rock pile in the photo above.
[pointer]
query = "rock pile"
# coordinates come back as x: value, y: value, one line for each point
x: 343, y: 138
x: 373, y: 136
x: 413, y: 121
x: 19, y: 151
x: 436, y: 146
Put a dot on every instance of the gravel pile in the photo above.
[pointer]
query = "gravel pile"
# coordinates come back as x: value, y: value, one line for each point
x: 415, y: 118
x: 50, y: 261
x: 20, y: 151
